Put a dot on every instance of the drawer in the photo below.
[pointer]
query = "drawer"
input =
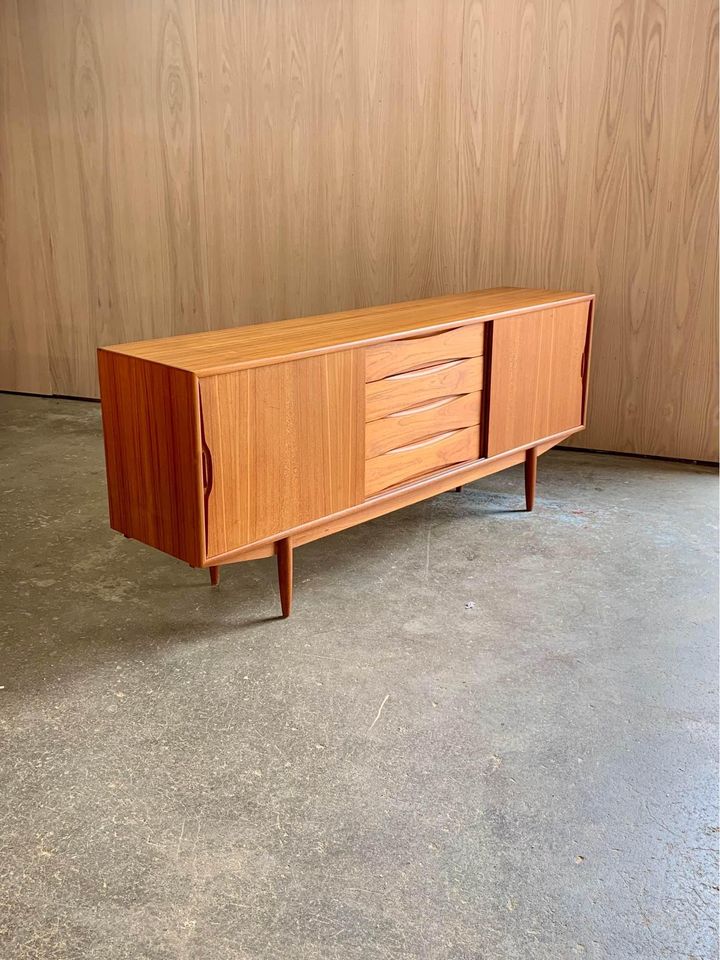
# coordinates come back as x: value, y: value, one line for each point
x: 404, y: 390
x: 398, y: 356
x: 419, y: 423
x: 417, y: 459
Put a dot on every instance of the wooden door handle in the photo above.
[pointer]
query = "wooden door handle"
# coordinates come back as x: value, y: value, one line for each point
x: 207, y: 468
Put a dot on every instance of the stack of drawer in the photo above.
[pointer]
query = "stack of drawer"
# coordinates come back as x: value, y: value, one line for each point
x: 422, y: 405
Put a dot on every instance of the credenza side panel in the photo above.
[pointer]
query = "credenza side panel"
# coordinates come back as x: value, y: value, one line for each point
x: 536, y: 376
x: 151, y: 426
x: 285, y: 445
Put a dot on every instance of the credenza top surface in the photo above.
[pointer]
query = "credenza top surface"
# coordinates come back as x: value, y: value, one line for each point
x: 233, y: 348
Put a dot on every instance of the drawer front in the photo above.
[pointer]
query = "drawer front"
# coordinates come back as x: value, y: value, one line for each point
x: 419, y: 423
x: 405, y: 390
x: 398, y: 356
x: 418, y: 459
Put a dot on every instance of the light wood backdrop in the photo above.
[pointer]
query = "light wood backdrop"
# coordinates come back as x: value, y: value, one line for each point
x: 168, y: 166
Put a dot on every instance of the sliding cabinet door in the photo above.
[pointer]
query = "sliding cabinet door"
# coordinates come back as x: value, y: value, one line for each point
x: 537, y: 377
x: 283, y: 445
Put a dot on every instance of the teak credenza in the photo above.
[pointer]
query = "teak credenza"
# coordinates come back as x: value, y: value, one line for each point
x: 243, y: 443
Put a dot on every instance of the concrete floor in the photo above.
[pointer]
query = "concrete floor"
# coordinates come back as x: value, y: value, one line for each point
x: 482, y: 734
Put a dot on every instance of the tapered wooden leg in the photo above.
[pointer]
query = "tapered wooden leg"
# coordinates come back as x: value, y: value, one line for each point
x: 214, y: 576
x: 530, y: 477
x: 285, y: 574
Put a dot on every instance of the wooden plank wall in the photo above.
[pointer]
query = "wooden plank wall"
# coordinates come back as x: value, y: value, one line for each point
x: 169, y: 166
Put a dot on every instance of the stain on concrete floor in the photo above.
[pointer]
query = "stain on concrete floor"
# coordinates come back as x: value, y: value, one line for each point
x: 482, y: 734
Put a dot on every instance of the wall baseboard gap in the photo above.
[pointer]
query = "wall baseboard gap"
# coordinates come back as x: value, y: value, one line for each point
x: 641, y: 456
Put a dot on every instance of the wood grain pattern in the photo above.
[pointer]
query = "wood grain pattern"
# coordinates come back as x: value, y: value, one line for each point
x: 180, y: 148
x: 406, y: 390
x: 426, y: 456
x: 224, y: 350
x: 397, y: 356
x: 389, y: 500
x: 418, y: 423
x: 171, y: 166
x: 285, y: 446
x: 536, y: 376
x: 113, y: 95
x: 24, y: 294
x: 151, y: 427
x: 211, y: 468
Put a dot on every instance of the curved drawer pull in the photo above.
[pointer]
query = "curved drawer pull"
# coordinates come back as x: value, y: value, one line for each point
x: 404, y: 390
x: 420, y: 422
x: 425, y: 371
x: 414, y: 459
x: 424, y: 407
x: 424, y: 347
x: 423, y: 443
